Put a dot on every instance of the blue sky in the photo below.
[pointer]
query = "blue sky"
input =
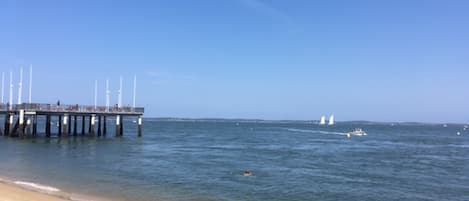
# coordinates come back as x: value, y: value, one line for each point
x: 359, y: 60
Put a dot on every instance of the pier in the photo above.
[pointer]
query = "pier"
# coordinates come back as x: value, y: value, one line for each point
x: 20, y: 120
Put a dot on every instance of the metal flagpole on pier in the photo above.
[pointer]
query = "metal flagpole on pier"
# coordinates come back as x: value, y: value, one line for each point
x: 95, y: 94
x: 107, y: 95
x: 3, y: 86
x: 20, y: 86
x: 11, y: 90
x: 119, y: 96
x: 135, y: 90
x: 30, y: 83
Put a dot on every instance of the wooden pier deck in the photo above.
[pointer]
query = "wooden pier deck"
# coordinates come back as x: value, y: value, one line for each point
x: 26, y: 116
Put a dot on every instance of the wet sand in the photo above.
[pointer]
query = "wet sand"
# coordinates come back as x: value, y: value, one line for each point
x: 11, y: 190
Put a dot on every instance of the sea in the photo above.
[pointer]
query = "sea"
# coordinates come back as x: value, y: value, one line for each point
x: 192, y: 160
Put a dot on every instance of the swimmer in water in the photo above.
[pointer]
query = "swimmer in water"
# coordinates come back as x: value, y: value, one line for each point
x: 247, y: 173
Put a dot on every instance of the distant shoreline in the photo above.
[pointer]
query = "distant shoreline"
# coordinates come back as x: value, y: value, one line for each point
x: 241, y: 120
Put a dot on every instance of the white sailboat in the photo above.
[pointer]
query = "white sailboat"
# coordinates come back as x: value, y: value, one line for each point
x: 323, y: 120
x: 331, y: 120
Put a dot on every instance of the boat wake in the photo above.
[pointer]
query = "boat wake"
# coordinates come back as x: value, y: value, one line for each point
x: 315, y: 131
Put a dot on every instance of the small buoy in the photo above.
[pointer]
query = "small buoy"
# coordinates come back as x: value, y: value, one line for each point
x: 247, y: 173
x: 348, y: 135
x: 458, y: 133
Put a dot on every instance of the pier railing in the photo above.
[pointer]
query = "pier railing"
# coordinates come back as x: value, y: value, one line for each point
x: 70, y: 108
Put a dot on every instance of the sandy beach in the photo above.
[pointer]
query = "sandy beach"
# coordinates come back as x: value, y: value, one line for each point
x: 10, y: 192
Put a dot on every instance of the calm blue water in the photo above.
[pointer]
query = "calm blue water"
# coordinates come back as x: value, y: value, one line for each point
x: 294, y: 161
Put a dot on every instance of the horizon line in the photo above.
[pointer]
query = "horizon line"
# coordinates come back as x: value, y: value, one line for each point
x: 298, y: 120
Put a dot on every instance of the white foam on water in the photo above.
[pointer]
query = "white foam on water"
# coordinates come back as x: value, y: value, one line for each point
x: 57, y: 192
x: 37, y: 186
x: 315, y: 131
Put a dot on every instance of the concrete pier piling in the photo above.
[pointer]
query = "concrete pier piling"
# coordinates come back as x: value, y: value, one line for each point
x: 99, y: 126
x: 34, y: 125
x: 21, y: 123
x: 5, y: 125
x: 21, y: 120
x: 83, y: 125
x: 10, y: 125
x: 48, y: 125
x: 139, y: 126
x: 92, y: 122
x: 69, y: 124
x: 104, y: 126
x: 75, y: 125
x: 118, y: 125
x: 89, y: 124
x: 65, y: 127
x: 59, y: 129
x: 122, y: 126
x: 28, y: 127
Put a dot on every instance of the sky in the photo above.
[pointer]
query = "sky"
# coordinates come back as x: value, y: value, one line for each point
x: 359, y: 60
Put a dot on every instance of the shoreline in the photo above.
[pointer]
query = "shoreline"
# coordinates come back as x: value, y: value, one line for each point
x: 13, y: 190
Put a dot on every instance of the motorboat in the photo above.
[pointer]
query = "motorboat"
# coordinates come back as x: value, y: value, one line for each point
x: 358, y: 132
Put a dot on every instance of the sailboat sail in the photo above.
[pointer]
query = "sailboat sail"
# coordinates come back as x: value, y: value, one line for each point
x: 323, y: 120
x: 331, y: 120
